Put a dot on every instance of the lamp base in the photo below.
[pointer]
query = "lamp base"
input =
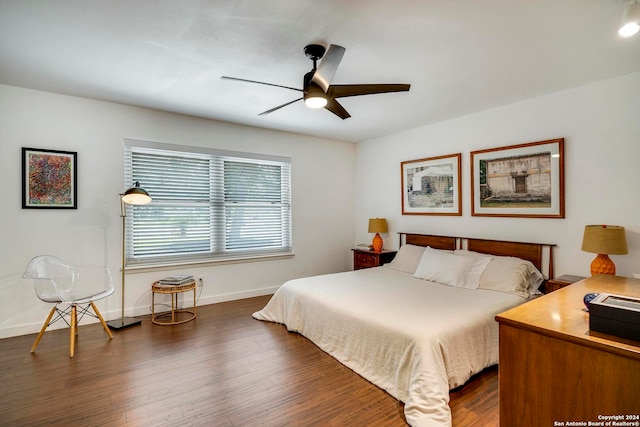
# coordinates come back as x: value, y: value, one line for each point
x: 125, y: 322
x: 377, y: 243
x: 602, y: 264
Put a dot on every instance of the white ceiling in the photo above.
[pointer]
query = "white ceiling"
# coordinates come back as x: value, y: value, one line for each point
x: 460, y: 56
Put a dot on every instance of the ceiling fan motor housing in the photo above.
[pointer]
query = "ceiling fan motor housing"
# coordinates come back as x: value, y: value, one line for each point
x: 312, y: 90
x: 307, y: 84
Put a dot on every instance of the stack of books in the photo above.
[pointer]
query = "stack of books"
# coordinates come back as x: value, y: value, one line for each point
x: 364, y: 247
x: 176, y: 280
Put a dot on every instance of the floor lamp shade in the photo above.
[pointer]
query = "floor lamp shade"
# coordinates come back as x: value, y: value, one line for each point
x: 135, y: 195
x: 604, y: 240
x: 378, y: 225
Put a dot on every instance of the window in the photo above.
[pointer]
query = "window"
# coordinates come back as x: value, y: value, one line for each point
x: 207, y: 204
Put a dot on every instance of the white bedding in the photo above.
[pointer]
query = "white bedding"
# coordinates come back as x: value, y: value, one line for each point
x: 413, y: 338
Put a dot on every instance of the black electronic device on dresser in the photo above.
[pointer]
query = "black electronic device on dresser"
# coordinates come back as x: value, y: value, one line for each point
x: 615, y: 315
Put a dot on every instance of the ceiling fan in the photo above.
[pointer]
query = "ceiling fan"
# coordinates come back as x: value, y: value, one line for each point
x: 318, y: 92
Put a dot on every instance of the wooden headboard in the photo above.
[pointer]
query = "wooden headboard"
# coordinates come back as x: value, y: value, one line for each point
x: 533, y: 252
x: 528, y: 251
x: 436, y: 242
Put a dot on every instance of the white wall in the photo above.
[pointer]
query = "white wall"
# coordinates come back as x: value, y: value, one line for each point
x: 601, y: 126
x: 323, y: 200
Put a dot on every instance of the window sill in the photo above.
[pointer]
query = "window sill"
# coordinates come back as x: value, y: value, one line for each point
x: 204, y: 263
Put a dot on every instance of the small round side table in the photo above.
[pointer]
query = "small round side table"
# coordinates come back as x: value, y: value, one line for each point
x: 173, y: 290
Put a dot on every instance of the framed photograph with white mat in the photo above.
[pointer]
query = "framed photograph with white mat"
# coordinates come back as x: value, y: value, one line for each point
x: 524, y: 180
x: 431, y: 186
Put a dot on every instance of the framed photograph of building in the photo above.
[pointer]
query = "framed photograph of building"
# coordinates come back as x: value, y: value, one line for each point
x: 49, y: 179
x: 431, y: 186
x: 524, y: 180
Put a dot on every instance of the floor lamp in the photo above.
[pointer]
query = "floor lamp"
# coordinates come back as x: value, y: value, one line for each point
x: 135, y: 195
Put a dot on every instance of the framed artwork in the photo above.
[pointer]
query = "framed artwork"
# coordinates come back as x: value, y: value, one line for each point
x: 49, y: 179
x: 524, y: 180
x: 431, y: 186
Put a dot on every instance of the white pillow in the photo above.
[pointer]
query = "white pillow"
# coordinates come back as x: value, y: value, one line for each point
x: 407, y: 258
x: 508, y: 274
x: 449, y: 269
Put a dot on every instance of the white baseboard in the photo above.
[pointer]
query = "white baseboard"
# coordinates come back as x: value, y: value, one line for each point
x: 33, y: 328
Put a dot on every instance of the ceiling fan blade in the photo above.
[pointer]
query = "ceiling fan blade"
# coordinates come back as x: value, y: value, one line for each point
x: 264, y: 113
x: 341, y: 91
x: 260, y: 83
x: 337, y: 109
x: 327, y: 68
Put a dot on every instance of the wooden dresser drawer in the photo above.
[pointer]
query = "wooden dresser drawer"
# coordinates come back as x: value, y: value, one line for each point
x: 364, y: 260
x: 367, y: 259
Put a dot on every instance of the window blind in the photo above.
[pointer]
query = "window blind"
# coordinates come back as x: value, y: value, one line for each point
x: 207, y: 204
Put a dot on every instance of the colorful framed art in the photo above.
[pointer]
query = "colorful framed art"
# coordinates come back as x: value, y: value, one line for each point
x: 49, y: 179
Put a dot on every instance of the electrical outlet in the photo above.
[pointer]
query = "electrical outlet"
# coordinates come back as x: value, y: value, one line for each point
x: 200, y: 281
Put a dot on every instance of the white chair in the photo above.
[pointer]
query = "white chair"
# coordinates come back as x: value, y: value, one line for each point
x: 72, y: 289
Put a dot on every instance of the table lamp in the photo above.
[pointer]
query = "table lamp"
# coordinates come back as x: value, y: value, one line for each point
x: 604, y: 240
x: 135, y: 195
x: 377, y: 225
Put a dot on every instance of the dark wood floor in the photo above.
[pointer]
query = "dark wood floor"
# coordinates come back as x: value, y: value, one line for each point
x: 222, y: 369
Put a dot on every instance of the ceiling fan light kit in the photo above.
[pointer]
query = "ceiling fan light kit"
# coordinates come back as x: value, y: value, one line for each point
x: 318, y: 92
x: 315, y: 101
x: 314, y: 96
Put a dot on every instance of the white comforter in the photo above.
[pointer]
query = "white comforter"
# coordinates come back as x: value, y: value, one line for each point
x: 413, y: 338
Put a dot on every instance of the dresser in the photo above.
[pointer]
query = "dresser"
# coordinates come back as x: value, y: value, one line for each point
x: 553, y: 370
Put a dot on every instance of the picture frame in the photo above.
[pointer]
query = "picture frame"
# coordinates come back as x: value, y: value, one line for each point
x: 523, y: 180
x: 49, y: 179
x: 432, y: 186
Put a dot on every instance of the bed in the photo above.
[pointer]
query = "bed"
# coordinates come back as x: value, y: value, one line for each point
x: 420, y: 325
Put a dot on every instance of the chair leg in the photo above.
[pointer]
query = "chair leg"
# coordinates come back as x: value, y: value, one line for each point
x: 104, y: 324
x: 44, y: 328
x: 74, y: 321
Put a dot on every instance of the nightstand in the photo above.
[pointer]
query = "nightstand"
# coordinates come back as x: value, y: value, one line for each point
x: 368, y: 259
x: 561, y: 282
